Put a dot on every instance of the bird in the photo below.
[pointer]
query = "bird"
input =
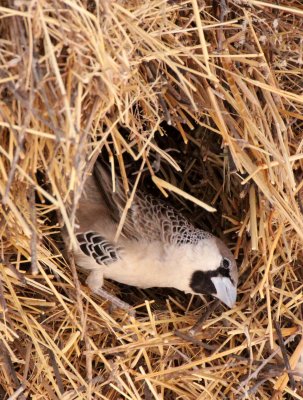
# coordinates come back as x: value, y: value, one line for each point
x: 158, y: 245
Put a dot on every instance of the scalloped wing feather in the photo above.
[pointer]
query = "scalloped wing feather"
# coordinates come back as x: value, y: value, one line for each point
x: 148, y: 218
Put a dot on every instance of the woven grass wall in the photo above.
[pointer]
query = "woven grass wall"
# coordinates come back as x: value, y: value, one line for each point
x: 205, y: 96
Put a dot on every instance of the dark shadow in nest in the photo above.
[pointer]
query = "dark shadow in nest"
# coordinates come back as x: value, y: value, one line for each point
x: 199, y: 176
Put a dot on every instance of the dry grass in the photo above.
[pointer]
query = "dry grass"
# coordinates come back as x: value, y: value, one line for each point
x: 78, y: 76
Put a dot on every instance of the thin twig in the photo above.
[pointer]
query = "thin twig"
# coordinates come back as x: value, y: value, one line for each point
x: 18, y: 394
x: 255, y: 374
x: 284, y: 354
x: 10, y: 370
x: 204, y: 317
x: 191, y: 339
x: 54, y: 364
x: 2, y: 298
x: 33, y: 218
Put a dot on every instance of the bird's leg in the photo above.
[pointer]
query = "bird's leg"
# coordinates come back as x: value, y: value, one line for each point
x: 95, y: 283
x: 115, y: 301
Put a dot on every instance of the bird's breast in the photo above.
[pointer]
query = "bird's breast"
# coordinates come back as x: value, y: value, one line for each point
x: 153, y: 264
x: 156, y: 264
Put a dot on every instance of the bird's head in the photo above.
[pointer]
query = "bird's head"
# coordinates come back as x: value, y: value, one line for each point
x: 218, y: 274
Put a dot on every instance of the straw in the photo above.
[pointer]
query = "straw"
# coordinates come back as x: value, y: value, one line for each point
x: 199, y: 103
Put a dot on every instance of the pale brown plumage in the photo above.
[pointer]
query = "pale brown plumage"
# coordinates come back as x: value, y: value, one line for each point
x: 158, y: 246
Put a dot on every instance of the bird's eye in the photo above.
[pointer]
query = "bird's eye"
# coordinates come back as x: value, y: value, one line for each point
x: 226, y: 263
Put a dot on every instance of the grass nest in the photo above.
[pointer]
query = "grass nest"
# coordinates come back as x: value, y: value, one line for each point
x: 203, y: 96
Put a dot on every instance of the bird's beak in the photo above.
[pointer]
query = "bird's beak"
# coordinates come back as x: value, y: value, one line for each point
x: 226, y: 291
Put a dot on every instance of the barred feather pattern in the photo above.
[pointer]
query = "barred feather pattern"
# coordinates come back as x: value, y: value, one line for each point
x: 151, y: 219
x: 95, y: 246
x: 148, y: 218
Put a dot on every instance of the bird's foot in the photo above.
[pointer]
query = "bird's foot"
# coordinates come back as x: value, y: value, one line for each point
x: 115, y: 301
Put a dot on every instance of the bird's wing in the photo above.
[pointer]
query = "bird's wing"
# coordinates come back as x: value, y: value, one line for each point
x: 97, y: 247
x: 154, y: 220
x: 149, y: 219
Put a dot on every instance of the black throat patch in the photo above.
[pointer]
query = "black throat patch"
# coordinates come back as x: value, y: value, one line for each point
x: 201, y: 280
